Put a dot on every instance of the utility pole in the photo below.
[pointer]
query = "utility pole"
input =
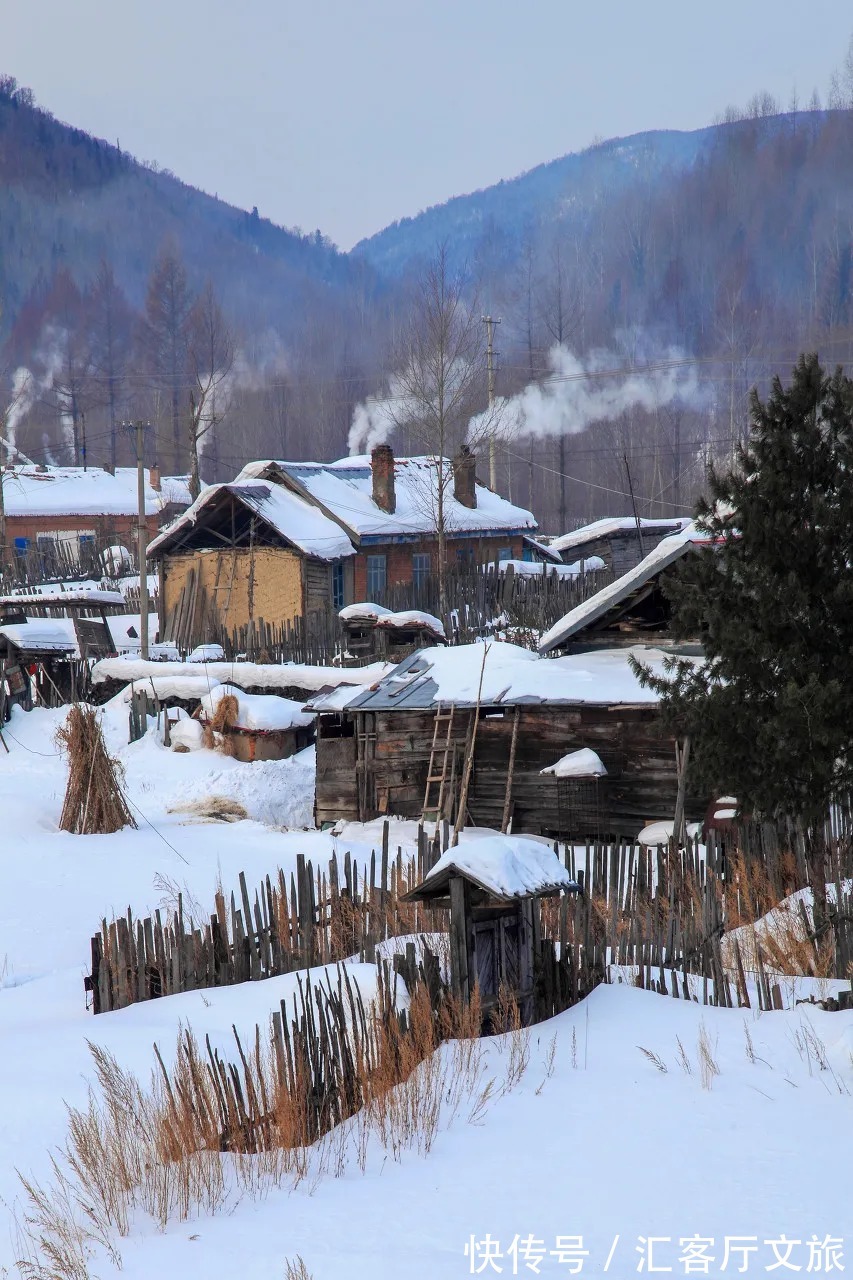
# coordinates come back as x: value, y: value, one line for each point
x: 490, y: 374
x: 141, y: 537
x: 634, y: 505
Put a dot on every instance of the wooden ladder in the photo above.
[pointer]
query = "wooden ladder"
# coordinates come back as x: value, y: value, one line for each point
x: 441, y: 746
x: 507, y: 813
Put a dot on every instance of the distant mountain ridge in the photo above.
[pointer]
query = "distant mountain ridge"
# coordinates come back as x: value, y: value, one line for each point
x: 70, y: 199
x: 581, y: 178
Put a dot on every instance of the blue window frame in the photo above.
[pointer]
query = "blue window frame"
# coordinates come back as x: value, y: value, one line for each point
x: 465, y: 555
x: 377, y: 575
x: 505, y: 553
x: 338, y: 585
x: 421, y: 565
x: 22, y: 546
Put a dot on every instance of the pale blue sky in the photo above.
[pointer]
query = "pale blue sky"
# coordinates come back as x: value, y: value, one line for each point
x: 347, y: 114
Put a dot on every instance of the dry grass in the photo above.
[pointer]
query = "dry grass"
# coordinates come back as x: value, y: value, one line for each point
x: 94, y: 801
x: 708, y: 1065
x: 204, y: 1133
x: 295, y: 1269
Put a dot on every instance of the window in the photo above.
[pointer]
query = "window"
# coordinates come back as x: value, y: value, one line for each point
x: 420, y: 569
x: 22, y: 546
x: 465, y: 555
x: 505, y: 553
x: 338, y: 585
x: 376, y: 576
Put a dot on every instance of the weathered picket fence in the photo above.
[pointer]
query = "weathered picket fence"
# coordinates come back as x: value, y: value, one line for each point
x: 657, y: 916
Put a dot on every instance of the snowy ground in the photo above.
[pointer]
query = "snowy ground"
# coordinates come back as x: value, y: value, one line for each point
x: 610, y: 1145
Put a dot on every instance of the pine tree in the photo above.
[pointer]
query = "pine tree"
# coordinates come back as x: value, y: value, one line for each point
x: 770, y: 714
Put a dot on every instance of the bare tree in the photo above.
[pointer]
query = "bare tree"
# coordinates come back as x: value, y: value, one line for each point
x: 440, y: 382
x: 164, y: 334
x: 211, y: 358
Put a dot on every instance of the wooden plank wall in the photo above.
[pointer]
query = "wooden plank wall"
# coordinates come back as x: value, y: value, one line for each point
x: 640, y: 787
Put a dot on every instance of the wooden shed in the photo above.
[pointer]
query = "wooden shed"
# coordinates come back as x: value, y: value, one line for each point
x: 616, y: 540
x: 634, y: 608
x: 373, y: 633
x: 492, y: 886
x: 501, y: 715
x: 256, y: 726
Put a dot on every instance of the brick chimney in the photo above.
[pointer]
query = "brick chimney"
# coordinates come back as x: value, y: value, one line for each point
x: 464, y: 477
x: 154, y: 478
x: 382, y: 470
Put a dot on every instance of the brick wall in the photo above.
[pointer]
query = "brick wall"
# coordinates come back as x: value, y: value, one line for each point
x: 122, y: 528
x: 399, y: 557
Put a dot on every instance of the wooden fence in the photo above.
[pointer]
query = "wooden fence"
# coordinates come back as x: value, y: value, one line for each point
x: 480, y: 601
x: 659, y: 915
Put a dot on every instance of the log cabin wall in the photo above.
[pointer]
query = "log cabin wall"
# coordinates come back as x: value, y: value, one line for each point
x: 393, y: 757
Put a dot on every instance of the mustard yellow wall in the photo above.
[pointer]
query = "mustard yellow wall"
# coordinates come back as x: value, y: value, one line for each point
x: 271, y: 576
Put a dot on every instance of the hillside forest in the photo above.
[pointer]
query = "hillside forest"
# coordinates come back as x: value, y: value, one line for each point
x: 643, y: 287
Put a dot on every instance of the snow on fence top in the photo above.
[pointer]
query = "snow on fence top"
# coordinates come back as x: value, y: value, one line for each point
x: 530, y: 569
x: 296, y: 520
x: 254, y: 675
x: 584, y: 763
x: 506, y: 867
x: 510, y: 675
x: 42, y: 635
x: 345, y: 490
x: 257, y: 712
x: 71, y: 491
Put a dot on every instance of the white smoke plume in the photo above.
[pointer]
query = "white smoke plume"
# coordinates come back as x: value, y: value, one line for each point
x: 374, y: 420
x: 579, y: 391
x: 377, y: 417
x: 24, y: 392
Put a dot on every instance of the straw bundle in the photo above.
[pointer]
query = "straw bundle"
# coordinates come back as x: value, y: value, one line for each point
x: 94, y: 800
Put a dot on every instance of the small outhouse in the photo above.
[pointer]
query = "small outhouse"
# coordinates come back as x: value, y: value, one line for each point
x: 492, y: 886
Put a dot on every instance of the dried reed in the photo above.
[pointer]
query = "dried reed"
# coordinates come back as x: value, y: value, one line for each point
x: 94, y: 800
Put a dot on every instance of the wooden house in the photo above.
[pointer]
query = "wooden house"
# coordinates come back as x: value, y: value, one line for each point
x: 492, y: 887
x: 617, y: 541
x: 475, y: 726
x: 244, y: 551
x: 373, y: 633
x: 286, y: 539
x: 631, y: 610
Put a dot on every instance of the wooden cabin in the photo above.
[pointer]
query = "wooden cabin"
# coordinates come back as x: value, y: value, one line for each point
x: 617, y: 541
x: 373, y: 633
x: 402, y: 746
x: 493, y: 887
x: 633, y: 609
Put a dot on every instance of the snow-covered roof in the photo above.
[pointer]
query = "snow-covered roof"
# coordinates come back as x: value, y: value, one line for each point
x: 42, y: 635
x: 297, y: 520
x: 616, y: 593
x: 506, y: 867
x: 173, y: 490
x: 584, y: 763
x: 615, y: 524
x: 71, y: 491
x: 510, y: 676
x: 257, y: 712
x: 61, y: 599
x: 345, y: 490
x: 248, y: 675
